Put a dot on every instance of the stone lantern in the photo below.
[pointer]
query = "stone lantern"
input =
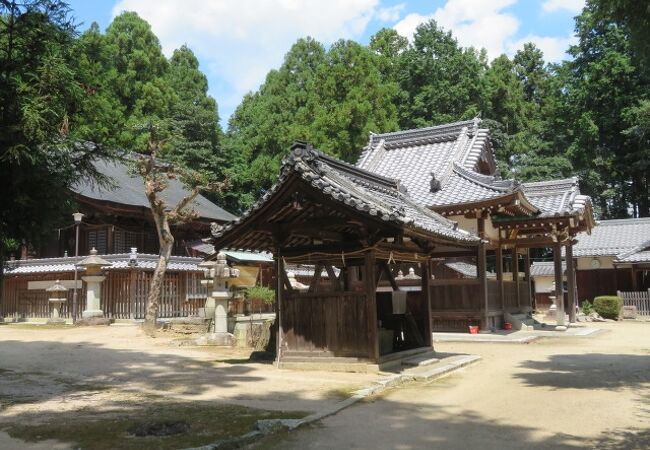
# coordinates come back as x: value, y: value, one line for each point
x: 216, y: 275
x: 94, y: 277
x: 58, y: 294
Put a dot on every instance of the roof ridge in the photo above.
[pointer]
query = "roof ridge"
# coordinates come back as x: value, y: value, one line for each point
x: 487, y: 181
x: 445, y: 129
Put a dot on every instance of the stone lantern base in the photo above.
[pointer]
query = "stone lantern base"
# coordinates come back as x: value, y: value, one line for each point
x: 56, y: 319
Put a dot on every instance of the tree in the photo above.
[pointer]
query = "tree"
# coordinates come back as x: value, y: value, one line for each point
x: 350, y: 100
x: 156, y: 172
x: 42, y: 153
x: 138, y: 77
x: 603, y: 87
x: 195, y: 113
x: 442, y: 80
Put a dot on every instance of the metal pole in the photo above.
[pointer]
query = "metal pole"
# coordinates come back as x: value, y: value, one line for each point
x: 74, y: 292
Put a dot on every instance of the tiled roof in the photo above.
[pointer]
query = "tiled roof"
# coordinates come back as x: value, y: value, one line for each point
x: 613, y: 237
x: 544, y: 268
x: 233, y: 255
x: 307, y: 270
x: 556, y: 197
x: 364, y: 191
x: 451, y: 154
x: 639, y: 254
x: 118, y: 261
x: 414, y: 156
x: 128, y: 189
x: 467, y: 269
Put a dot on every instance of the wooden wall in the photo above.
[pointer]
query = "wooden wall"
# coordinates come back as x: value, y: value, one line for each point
x: 335, y: 323
x: 455, y: 303
x: 592, y: 283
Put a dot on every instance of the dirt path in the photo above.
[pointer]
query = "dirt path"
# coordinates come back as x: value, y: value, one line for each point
x: 551, y: 394
x: 87, y: 386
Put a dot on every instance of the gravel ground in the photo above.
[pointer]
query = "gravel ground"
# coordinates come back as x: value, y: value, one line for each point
x: 555, y: 393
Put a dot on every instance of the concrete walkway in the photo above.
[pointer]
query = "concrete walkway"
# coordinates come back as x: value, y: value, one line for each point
x: 517, y: 337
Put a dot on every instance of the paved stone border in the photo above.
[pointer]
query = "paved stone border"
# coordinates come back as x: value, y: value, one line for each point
x: 422, y: 373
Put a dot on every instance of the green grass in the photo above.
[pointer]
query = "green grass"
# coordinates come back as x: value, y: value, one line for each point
x: 108, y: 429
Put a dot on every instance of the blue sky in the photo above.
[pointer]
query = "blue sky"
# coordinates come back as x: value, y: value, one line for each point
x: 238, y: 42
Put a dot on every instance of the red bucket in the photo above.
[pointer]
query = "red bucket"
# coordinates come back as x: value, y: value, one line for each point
x: 473, y: 329
x: 507, y: 326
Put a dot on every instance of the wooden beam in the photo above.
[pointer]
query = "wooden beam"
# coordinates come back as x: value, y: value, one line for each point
x: 334, y: 281
x: 279, y: 269
x: 559, y: 289
x: 515, y: 274
x: 482, y: 274
x: 499, y: 263
x: 425, y: 267
x: 389, y: 275
x: 371, y: 306
x: 571, y: 282
x: 315, y: 281
x: 527, y: 275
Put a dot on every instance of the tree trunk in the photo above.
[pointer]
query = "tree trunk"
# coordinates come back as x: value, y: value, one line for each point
x: 166, y: 241
x: 643, y: 199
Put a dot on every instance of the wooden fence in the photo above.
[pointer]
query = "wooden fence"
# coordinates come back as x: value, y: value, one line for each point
x: 640, y: 299
x: 124, y: 295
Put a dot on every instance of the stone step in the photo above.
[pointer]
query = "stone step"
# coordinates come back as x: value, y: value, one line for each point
x: 421, y: 360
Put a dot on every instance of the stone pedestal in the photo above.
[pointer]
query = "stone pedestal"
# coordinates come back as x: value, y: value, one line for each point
x: 56, y: 307
x: 93, y: 296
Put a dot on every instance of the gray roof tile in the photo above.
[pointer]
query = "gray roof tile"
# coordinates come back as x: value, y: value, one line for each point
x: 365, y: 191
x: 117, y: 261
x: 128, y: 189
x: 451, y: 153
x: 613, y: 238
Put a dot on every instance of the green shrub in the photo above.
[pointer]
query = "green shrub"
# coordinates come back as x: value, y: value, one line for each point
x: 608, y: 306
x: 587, y: 307
x: 262, y: 293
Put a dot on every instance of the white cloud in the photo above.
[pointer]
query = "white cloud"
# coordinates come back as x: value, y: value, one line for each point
x: 487, y: 24
x: 574, y: 6
x: 477, y: 23
x: 554, y: 48
x: 238, y: 42
x: 391, y: 13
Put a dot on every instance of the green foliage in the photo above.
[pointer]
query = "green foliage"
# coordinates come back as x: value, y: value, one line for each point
x: 441, y: 81
x: 42, y: 99
x: 332, y: 99
x: 608, y: 306
x: 261, y: 293
x: 587, y: 307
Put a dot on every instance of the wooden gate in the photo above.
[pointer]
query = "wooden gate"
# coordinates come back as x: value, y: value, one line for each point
x: 640, y: 299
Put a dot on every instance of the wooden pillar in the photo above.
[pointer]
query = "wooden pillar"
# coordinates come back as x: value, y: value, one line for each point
x: 559, y: 291
x: 132, y: 291
x: 515, y: 275
x: 571, y: 282
x: 499, y: 263
x: 529, y: 290
x: 482, y: 274
x: 426, y: 297
x: 371, y: 305
x: 279, y: 287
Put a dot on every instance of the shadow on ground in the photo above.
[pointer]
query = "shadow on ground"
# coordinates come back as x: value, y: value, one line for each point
x: 83, y: 366
x: 588, y: 371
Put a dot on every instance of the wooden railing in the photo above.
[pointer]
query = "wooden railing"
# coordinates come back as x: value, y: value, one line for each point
x: 640, y: 299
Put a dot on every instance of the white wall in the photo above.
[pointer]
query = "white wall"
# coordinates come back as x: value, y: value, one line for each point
x: 584, y: 262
